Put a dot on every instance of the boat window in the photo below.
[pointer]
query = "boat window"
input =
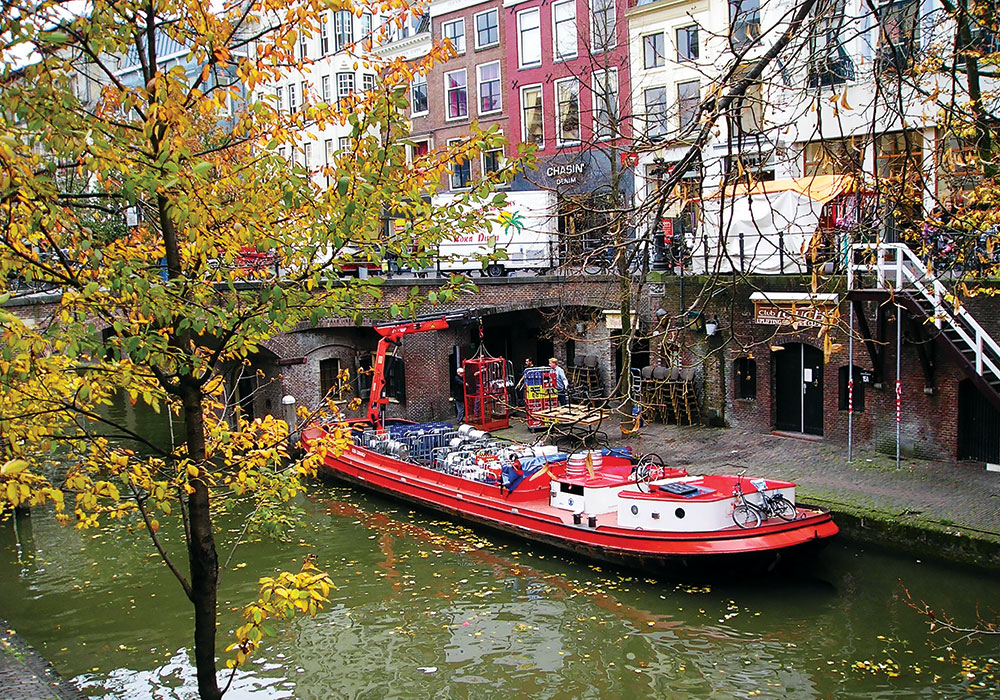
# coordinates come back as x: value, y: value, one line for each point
x: 571, y: 488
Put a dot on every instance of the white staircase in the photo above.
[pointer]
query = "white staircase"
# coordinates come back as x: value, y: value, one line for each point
x: 893, y: 267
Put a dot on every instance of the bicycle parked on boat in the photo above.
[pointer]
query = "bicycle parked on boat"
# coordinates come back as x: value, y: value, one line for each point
x: 748, y: 514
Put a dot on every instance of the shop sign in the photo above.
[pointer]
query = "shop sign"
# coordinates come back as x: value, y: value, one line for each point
x: 567, y: 173
x: 796, y: 310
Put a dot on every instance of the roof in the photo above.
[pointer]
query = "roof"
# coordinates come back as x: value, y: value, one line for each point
x: 820, y: 188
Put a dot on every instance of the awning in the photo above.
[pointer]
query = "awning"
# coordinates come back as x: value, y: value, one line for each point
x: 819, y: 188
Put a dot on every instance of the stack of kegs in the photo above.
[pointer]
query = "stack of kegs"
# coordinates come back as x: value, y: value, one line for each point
x: 576, y: 464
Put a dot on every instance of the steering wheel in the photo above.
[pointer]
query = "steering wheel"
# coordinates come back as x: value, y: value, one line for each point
x: 649, y: 468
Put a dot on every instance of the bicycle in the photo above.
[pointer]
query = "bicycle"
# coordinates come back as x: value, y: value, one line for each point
x: 747, y: 514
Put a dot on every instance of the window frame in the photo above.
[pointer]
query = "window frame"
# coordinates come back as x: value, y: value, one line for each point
x: 744, y: 24
x: 609, y: 10
x: 343, y: 29
x: 662, y: 54
x: 540, y: 108
x: 499, y: 160
x: 448, y: 91
x: 684, y: 120
x: 522, y: 33
x: 324, y: 37
x: 690, y: 31
x: 324, y: 87
x: 418, y: 81
x: 458, y: 41
x: 557, y: 55
x: 662, y: 119
x: 496, y: 27
x: 465, y: 164
x: 479, y: 88
x: 745, y: 387
x: 598, y: 108
x: 560, y: 126
x: 342, y: 94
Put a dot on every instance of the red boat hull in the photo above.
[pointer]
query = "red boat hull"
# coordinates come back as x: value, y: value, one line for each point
x: 527, y: 514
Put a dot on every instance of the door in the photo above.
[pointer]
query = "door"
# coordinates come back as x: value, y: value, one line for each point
x: 798, y: 389
x: 978, y: 425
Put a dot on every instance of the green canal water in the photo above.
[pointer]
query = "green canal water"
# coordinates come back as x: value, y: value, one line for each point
x: 425, y: 608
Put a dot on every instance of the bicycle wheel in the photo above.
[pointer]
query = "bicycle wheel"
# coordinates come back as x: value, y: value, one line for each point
x: 783, y: 508
x: 746, y: 517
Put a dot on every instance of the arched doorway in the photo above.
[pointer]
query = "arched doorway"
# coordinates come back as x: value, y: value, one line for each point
x: 798, y: 389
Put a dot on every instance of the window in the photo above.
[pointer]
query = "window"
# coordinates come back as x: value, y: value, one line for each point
x: 419, y: 149
x: 279, y: 92
x: 303, y: 45
x: 461, y: 168
x: 564, y: 29
x: 366, y: 25
x: 292, y: 101
x: 687, y: 43
x: 605, y: 104
x: 367, y: 82
x: 307, y: 150
x: 656, y: 111
x: 748, y: 111
x: 529, y: 39
x: 745, y: 376
x: 748, y: 167
x: 744, y: 22
x: 345, y: 85
x: 328, y: 151
x: 329, y: 378
x: 305, y: 92
x: 492, y: 160
x: 688, y: 99
x: 857, y: 395
x: 898, y: 34
x: 418, y: 95
x: 567, y: 112
x: 395, y: 378
x: 457, y: 94
x: 602, y: 25
x: 343, y: 29
x: 487, y: 29
x: 454, y: 32
x: 324, y: 37
x: 344, y: 143
x: 531, y: 114
x: 832, y: 157
x: 829, y: 63
x: 489, y: 87
x: 324, y: 86
x: 653, y: 51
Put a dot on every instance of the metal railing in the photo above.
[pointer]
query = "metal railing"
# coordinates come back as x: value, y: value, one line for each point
x: 896, y: 267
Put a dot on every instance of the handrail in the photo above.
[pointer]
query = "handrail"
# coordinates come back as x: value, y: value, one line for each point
x: 905, y: 269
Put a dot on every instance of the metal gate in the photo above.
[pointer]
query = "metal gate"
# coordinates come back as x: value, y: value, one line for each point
x: 978, y: 425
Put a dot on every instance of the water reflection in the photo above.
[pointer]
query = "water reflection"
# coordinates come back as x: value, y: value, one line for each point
x: 427, y: 608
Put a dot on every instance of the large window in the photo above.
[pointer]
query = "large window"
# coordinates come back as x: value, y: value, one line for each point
x: 832, y: 157
x: 343, y: 29
x: 745, y: 378
x: 567, y: 111
x: 454, y: 31
x: 418, y: 95
x: 656, y: 111
x: 489, y: 87
x: 653, y: 51
x: 487, y: 29
x: 324, y: 37
x: 529, y: 38
x: 329, y: 378
x: 744, y: 22
x: 605, y: 104
x: 531, y: 114
x: 492, y: 160
x: 602, y: 25
x: 898, y: 34
x: 687, y: 43
x: 829, y: 63
x: 345, y: 85
x: 688, y: 99
x: 457, y: 93
x: 461, y: 168
x: 564, y: 29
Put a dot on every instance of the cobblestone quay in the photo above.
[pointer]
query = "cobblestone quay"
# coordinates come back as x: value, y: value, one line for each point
x: 26, y: 675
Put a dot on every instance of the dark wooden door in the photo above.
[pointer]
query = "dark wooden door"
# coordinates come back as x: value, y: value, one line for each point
x: 978, y: 425
x: 798, y: 389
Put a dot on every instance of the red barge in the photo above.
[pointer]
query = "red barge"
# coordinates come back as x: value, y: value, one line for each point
x: 609, y: 505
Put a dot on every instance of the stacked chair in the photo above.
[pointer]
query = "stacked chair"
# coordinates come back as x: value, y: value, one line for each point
x: 668, y: 395
x: 585, y: 380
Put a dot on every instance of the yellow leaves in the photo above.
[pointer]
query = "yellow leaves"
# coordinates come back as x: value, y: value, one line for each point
x: 14, y: 467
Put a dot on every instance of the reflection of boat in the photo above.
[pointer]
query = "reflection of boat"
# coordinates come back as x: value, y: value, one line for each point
x: 609, y: 505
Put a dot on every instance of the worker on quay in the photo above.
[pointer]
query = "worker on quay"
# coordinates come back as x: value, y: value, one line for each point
x: 562, y: 383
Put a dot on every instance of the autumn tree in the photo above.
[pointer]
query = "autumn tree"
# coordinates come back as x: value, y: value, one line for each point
x: 132, y: 186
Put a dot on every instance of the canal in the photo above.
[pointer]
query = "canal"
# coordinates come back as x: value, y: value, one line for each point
x: 426, y: 608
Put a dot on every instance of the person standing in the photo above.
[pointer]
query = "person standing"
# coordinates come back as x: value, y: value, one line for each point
x: 458, y: 393
x: 562, y: 383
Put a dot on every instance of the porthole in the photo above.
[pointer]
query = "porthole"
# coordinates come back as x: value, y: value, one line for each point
x: 635, y: 510
x: 679, y: 513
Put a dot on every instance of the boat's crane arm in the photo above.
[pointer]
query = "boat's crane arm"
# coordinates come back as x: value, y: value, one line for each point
x: 392, y: 335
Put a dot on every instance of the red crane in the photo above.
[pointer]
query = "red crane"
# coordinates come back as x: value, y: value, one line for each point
x: 393, y: 335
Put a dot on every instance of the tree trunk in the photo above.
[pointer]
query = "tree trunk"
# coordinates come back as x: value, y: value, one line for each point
x: 202, y: 556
